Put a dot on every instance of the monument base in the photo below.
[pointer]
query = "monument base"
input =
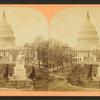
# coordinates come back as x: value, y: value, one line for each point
x: 19, y: 84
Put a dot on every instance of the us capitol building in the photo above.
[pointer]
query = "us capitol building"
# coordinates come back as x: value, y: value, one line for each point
x: 87, y: 51
x: 7, y: 39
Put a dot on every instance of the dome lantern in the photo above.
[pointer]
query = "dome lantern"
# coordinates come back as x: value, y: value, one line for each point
x: 88, y: 16
x: 4, y: 14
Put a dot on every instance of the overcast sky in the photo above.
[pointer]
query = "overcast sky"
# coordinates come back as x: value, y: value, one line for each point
x: 27, y: 23
x: 66, y: 24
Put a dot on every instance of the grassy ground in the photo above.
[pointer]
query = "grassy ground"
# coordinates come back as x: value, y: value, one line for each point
x: 41, y: 82
x: 58, y: 81
x: 60, y: 84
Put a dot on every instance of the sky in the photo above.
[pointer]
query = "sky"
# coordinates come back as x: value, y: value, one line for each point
x: 61, y: 22
x: 26, y: 23
x: 66, y: 24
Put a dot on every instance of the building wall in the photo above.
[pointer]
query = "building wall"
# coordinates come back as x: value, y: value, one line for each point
x: 81, y: 55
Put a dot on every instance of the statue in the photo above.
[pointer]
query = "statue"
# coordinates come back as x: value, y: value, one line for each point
x: 20, y: 71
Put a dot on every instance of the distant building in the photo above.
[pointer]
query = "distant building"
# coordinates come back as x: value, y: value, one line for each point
x: 69, y: 54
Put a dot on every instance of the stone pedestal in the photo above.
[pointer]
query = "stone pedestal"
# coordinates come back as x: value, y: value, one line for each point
x: 98, y: 74
x: 19, y: 72
x: 26, y: 84
x: 19, y: 79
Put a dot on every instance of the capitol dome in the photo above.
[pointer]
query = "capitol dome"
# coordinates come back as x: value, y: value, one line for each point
x: 88, y: 36
x: 6, y: 33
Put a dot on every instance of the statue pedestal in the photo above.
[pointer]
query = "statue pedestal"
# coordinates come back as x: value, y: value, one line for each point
x: 19, y: 79
x: 19, y: 84
x: 20, y: 72
x: 98, y: 73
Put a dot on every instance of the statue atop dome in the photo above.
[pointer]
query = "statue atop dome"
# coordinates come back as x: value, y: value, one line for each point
x: 88, y: 16
x: 4, y: 13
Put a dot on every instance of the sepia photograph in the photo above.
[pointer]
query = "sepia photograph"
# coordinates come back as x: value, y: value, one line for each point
x: 49, y: 48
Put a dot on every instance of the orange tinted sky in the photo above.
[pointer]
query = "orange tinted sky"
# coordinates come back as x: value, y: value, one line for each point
x: 48, y: 9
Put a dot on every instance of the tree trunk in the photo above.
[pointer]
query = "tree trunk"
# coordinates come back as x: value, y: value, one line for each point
x: 39, y: 63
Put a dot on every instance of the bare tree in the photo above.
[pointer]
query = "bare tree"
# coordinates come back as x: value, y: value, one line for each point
x: 42, y: 51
